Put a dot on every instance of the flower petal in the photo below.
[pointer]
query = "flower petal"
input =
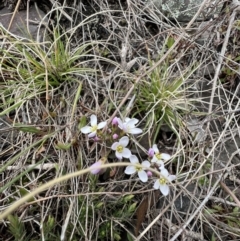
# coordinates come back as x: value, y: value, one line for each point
x: 155, y: 148
x: 101, y: 125
x: 126, y: 153
x: 131, y: 122
x: 133, y: 159
x: 125, y: 127
x: 154, y: 159
x: 135, y: 120
x: 164, y: 172
x: 92, y: 134
x: 161, y: 167
x: 95, y: 167
x: 86, y: 129
x: 114, y: 146
x: 146, y: 164
x: 156, y: 184
x: 171, y: 178
x: 143, y: 176
x: 120, y: 123
x: 160, y: 164
x: 130, y: 170
x: 124, y: 141
x: 93, y: 120
x: 127, y: 119
x: 164, y: 189
x: 165, y: 156
x: 119, y: 155
x: 135, y: 131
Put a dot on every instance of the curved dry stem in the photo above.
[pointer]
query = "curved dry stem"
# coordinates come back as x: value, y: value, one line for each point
x: 49, y: 184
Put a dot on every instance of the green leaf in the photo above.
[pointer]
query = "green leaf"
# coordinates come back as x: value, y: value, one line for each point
x: 210, y: 211
x: 170, y: 42
x: 129, y: 237
x: 12, y: 107
x: 213, y: 237
x: 23, y: 192
x: 61, y: 146
x: 51, y: 221
x: 128, y: 198
x: 82, y: 123
x: 237, y: 59
x: 76, y: 99
x: 116, y: 236
x: 217, y: 208
x: 28, y: 128
x: 236, y: 210
x: 132, y: 207
x: 99, y: 205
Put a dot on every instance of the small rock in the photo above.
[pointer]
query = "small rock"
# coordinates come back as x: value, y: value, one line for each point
x: 184, y: 10
x: 195, y: 127
x: 19, y: 25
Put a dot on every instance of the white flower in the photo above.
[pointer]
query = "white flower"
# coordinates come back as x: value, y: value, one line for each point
x: 120, y: 148
x: 162, y: 182
x: 92, y: 130
x: 158, y: 157
x: 140, y: 170
x: 128, y: 126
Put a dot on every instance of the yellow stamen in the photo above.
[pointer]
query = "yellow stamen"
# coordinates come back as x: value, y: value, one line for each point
x: 120, y: 149
x: 158, y: 155
x: 162, y: 181
x: 93, y: 128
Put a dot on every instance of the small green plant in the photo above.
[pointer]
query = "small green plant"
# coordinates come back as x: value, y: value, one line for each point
x: 17, y: 229
x: 163, y: 95
x: 227, y: 217
x: 30, y: 68
x: 48, y: 227
x: 115, y: 211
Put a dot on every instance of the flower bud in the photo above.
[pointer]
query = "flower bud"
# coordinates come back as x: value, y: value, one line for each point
x: 115, y: 121
x: 115, y: 136
x: 149, y: 173
x: 151, y: 152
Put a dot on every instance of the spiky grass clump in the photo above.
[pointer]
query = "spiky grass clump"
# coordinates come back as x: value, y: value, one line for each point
x: 30, y: 69
x: 164, y: 95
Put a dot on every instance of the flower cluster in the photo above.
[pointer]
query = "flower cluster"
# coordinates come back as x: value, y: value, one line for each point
x: 118, y: 133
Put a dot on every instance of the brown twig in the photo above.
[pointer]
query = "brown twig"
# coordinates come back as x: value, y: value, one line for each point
x: 224, y: 186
